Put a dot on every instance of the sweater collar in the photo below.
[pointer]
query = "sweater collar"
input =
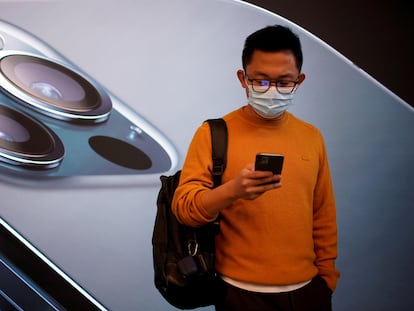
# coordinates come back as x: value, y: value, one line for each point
x: 251, y: 116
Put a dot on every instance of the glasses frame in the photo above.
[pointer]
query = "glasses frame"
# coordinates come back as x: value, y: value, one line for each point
x: 277, y: 84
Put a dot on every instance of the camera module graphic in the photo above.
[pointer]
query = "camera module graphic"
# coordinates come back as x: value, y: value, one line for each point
x: 56, y: 121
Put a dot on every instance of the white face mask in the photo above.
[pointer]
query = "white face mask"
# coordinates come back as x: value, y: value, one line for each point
x: 270, y: 104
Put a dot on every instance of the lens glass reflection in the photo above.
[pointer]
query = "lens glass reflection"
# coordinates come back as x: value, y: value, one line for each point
x: 47, y: 90
x: 22, y: 135
x: 50, y: 83
x: 12, y: 131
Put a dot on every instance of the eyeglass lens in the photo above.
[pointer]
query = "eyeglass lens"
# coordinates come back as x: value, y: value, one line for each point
x: 283, y: 87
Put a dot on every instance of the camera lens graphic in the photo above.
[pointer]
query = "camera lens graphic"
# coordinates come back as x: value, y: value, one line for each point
x: 52, y: 88
x: 26, y: 142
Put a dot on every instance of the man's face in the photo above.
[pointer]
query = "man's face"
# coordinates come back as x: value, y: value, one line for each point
x: 273, y: 66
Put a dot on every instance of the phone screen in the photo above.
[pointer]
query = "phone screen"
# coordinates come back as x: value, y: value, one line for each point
x: 269, y: 162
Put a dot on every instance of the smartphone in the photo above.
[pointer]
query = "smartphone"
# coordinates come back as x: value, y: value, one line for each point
x: 269, y: 162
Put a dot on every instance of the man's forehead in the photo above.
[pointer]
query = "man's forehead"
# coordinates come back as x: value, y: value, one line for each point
x: 272, y: 63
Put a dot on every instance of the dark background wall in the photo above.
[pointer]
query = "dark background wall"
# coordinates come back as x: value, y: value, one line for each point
x: 378, y: 36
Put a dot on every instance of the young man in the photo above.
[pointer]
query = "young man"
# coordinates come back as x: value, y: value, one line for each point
x: 277, y: 244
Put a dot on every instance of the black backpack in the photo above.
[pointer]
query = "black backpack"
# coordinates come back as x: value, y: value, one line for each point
x: 183, y: 256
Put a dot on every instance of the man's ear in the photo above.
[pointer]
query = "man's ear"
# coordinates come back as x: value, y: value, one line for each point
x: 241, y: 76
x: 301, y: 77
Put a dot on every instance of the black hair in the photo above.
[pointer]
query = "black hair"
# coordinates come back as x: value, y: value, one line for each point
x: 272, y: 39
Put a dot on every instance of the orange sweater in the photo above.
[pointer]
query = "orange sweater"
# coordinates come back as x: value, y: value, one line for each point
x: 287, y: 235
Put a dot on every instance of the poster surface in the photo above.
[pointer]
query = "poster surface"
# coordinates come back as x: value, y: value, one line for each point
x: 157, y: 70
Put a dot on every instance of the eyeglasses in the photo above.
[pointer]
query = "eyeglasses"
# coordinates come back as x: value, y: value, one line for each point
x: 282, y: 86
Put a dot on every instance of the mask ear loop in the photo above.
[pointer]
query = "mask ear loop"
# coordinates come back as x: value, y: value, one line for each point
x: 295, y: 88
x: 246, y: 80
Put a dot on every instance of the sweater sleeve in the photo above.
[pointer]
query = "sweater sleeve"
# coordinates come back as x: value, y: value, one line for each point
x: 196, y: 179
x: 325, y: 227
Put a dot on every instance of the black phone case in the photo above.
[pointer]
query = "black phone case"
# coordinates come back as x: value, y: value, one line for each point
x: 269, y: 162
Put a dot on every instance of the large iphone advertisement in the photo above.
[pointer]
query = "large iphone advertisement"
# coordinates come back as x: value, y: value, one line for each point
x: 99, y: 99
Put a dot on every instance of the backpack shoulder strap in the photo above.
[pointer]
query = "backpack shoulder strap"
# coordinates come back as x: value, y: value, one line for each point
x: 219, y: 137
